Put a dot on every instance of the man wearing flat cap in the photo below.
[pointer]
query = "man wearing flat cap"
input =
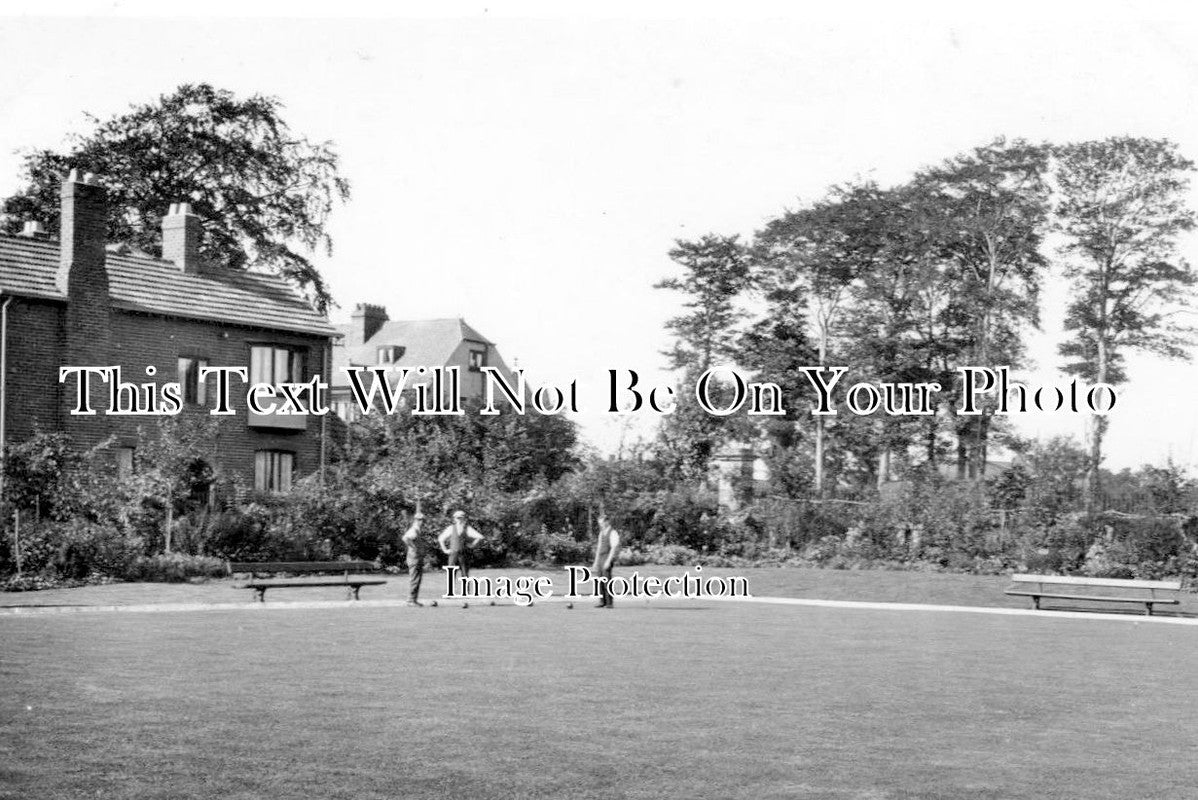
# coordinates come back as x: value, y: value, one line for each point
x: 458, y: 540
x: 416, y: 547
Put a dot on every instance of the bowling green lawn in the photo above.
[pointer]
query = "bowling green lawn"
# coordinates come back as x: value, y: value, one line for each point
x: 671, y: 699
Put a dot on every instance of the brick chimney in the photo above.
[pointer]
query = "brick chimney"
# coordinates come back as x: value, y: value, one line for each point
x: 365, y: 322
x: 83, y: 231
x: 181, y: 238
x: 83, y: 278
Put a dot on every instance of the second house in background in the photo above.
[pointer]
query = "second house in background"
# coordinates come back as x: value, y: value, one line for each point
x: 371, y: 339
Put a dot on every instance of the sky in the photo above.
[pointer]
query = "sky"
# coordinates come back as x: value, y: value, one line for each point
x: 530, y: 171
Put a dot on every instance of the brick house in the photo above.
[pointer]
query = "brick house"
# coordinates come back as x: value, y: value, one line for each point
x: 371, y: 339
x: 78, y: 301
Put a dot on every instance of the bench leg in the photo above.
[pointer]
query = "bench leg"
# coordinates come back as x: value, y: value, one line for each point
x: 356, y: 590
x: 261, y: 595
x: 1149, y: 608
x: 1036, y: 602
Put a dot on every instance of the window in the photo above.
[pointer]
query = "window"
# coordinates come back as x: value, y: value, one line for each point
x: 124, y: 461
x: 389, y: 354
x: 272, y: 470
x: 478, y: 360
x: 275, y: 365
x: 347, y: 409
x: 194, y: 390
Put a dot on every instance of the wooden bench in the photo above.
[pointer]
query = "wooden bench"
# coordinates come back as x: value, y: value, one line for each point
x: 1115, y: 590
x: 259, y: 569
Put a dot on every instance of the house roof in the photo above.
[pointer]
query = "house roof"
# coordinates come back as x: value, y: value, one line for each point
x: 151, y: 285
x: 426, y: 343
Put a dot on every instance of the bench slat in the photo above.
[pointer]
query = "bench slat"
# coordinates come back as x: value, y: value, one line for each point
x: 1070, y: 580
x: 302, y: 584
x: 1124, y: 599
x: 301, y: 566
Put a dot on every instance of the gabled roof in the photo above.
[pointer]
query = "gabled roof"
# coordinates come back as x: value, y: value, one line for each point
x: 151, y: 285
x: 426, y: 343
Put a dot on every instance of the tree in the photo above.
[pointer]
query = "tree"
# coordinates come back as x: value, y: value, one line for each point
x: 172, y: 470
x: 810, y: 253
x: 991, y: 206
x: 1122, y: 208
x: 45, y: 474
x: 716, y: 270
x: 777, y: 347
x: 263, y: 193
x: 900, y: 285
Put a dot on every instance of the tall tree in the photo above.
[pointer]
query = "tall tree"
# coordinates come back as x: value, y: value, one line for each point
x: 1122, y: 207
x: 810, y: 257
x: 991, y: 206
x: 776, y: 347
x: 263, y: 192
x: 901, y: 256
x: 715, y: 272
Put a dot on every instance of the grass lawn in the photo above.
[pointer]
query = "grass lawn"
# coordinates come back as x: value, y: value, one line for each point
x: 883, y: 586
x: 686, y: 701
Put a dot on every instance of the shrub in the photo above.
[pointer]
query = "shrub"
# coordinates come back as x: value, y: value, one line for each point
x: 824, y: 549
x: 632, y: 557
x: 30, y: 583
x: 176, y: 568
x: 88, y: 549
x: 39, y: 543
x: 557, y: 548
x: 249, y: 535
x: 671, y: 555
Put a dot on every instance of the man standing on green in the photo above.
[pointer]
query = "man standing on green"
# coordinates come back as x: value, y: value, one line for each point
x: 416, y: 546
x: 457, y: 541
x: 606, y: 550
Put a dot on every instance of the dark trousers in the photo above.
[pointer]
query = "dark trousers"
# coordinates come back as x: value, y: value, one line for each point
x: 461, y: 560
x: 415, y: 574
x: 605, y: 598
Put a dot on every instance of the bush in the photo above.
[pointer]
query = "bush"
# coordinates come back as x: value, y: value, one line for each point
x: 671, y: 555
x: 557, y: 548
x: 176, y: 568
x: 250, y: 535
x: 39, y: 543
x: 89, y: 549
x: 631, y: 557
x: 31, y: 583
x: 823, y: 549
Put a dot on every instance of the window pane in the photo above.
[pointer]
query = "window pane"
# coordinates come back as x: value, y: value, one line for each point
x: 282, y: 370
x: 262, y: 471
x: 124, y: 462
x: 260, y: 365
x: 201, y: 383
x: 297, y: 366
x: 286, y: 462
x: 184, y: 377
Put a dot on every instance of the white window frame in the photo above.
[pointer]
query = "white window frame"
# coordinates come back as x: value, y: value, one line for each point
x: 276, y: 363
x: 274, y: 471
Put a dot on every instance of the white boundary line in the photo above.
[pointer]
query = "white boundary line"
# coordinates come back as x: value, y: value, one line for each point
x: 25, y: 611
